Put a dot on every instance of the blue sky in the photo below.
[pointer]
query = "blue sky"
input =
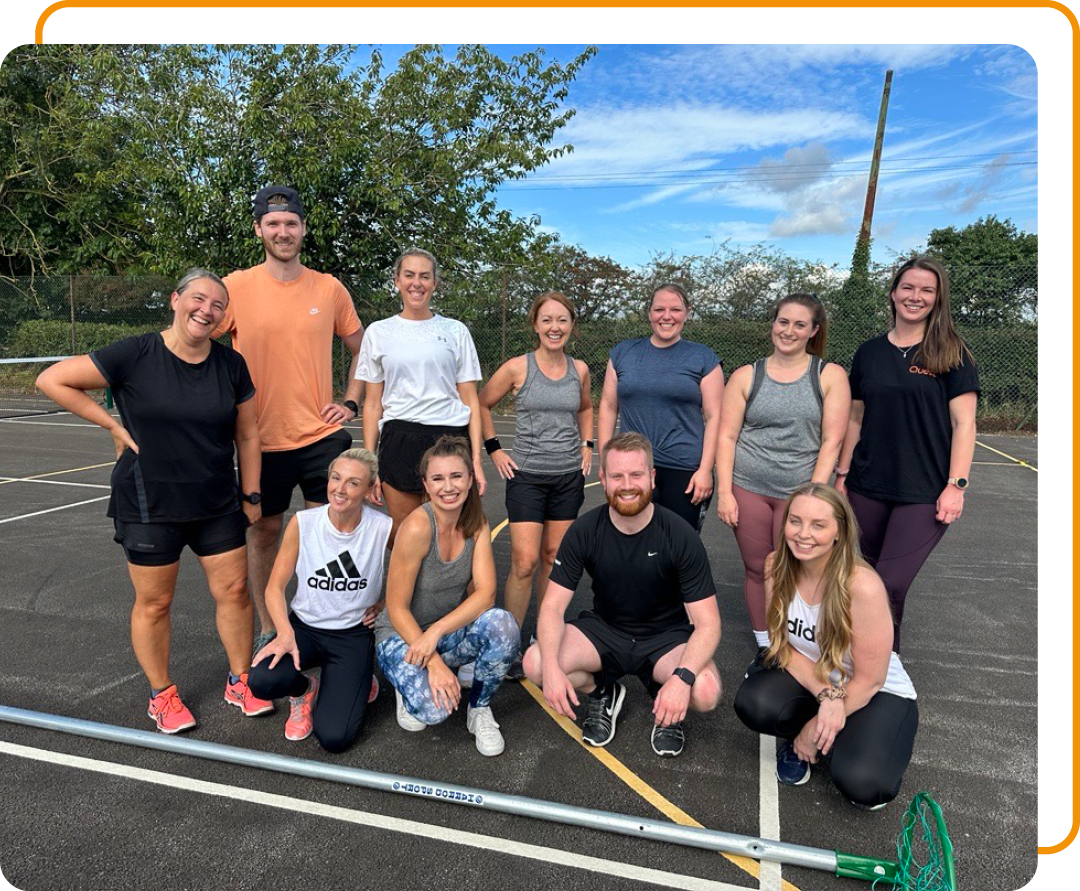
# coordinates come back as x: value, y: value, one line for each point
x: 680, y: 147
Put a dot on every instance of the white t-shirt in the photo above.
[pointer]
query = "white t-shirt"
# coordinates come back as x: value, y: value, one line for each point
x: 802, y: 635
x: 420, y: 364
x: 338, y: 574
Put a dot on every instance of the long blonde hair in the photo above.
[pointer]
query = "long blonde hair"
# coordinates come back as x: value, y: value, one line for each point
x: 833, y: 633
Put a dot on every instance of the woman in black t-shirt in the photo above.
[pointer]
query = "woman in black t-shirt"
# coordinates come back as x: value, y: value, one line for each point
x: 911, y: 435
x: 183, y: 401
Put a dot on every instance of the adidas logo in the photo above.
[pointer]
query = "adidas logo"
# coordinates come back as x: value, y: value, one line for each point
x: 338, y: 575
x: 800, y: 629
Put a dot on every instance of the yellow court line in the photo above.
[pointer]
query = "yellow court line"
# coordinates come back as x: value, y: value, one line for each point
x: 670, y: 810
x: 1005, y: 455
x: 57, y: 473
x: 996, y: 464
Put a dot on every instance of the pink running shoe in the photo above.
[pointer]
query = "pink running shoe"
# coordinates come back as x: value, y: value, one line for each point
x: 239, y: 695
x: 170, y: 714
x: 374, y: 694
x: 300, y: 722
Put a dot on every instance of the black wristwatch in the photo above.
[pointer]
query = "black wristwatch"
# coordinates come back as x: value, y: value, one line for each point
x: 252, y: 497
x: 352, y: 406
x: 685, y: 674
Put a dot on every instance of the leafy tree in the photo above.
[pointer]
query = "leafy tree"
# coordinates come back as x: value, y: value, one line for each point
x: 143, y: 159
x: 992, y: 269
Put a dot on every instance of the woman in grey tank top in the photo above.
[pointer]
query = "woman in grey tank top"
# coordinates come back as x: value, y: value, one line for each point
x: 440, y: 599
x: 782, y: 424
x: 552, y: 453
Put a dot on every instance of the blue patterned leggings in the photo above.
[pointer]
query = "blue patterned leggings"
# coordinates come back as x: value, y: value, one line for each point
x: 491, y: 641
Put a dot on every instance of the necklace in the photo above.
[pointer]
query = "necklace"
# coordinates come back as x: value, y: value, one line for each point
x: 905, y: 350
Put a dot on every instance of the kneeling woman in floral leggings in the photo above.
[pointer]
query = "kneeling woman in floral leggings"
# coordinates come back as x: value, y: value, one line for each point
x: 440, y: 603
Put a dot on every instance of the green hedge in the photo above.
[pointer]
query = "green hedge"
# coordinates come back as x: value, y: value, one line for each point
x: 42, y: 337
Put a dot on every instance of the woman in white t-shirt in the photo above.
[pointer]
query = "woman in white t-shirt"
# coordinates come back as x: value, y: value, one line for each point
x: 829, y: 683
x: 420, y: 370
x: 338, y: 554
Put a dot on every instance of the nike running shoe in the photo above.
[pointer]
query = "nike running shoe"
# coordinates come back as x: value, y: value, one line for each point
x: 240, y: 695
x: 601, y: 713
x: 170, y: 714
x: 668, y: 741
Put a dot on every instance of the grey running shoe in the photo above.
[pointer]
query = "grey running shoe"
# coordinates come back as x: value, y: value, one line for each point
x: 262, y: 640
x: 668, y: 741
x: 601, y: 713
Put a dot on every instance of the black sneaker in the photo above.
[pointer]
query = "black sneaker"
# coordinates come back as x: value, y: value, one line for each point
x: 515, y: 672
x: 759, y: 663
x: 601, y: 713
x: 789, y: 769
x: 668, y: 741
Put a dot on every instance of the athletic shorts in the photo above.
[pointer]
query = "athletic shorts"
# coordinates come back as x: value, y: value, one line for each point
x: 536, y: 497
x: 401, y: 446
x: 160, y: 544
x: 622, y: 654
x: 306, y: 466
x: 671, y: 493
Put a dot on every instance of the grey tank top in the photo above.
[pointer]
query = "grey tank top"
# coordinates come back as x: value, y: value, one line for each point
x: 439, y: 585
x: 547, y: 439
x: 780, y: 437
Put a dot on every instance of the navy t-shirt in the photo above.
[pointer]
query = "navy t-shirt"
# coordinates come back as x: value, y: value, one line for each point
x: 660, y: 397
x: 183, y: 418
x: 904, y: 447
x: 641, y: 581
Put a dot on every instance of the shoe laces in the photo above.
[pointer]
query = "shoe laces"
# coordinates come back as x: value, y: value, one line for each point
x: 484, y: 723
x: 595, y: 709
x: 296, y: 707
x: 170, y: 702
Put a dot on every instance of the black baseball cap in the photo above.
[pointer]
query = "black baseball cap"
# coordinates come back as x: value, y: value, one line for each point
x: 292, y: 201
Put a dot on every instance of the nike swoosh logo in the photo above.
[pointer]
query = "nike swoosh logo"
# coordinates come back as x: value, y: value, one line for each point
x: 314, y: 310
x: 558, y: 562
x: 653, y: 553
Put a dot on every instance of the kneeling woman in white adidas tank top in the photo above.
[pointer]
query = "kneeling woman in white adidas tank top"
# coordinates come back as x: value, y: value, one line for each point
x: 338, y: 553
x: 440, y: 600
x: 829, y: 683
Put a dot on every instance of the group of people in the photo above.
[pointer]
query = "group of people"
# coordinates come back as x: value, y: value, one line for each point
x: 837, y: 488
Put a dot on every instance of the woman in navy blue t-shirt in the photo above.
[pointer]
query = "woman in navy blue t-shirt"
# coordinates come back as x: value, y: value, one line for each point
x: 669, y: 390
x: 184, y: 401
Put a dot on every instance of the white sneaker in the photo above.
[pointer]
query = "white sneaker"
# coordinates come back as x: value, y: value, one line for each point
x: 482, y: 724
x: 465, y: 674
x: 405, y: 720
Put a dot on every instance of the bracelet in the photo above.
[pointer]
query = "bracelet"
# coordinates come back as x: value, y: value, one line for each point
x: 492, y: 445
x: 840, y: 472
x: 836, y: 691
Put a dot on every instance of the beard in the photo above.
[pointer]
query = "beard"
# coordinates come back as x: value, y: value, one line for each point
x: 629, y: 509
x: 282, y: 252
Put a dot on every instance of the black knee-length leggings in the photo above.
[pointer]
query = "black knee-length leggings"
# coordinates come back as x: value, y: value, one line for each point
x: 347, y: 658
x: 870, y: 754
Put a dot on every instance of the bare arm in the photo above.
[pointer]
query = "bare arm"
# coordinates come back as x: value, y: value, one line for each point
x: 851, y: 439
x: 467, y: 391
x: 66, y: 383
x: 732, y: 415
x: 509, y: 376
x: 835, y: 410
x: 249, y: 455
x: 585, y: 416
x: 284, y: 567
x: 673, y: 699
x: 950, y: 503
x: 355, y: 389
x: 609, y: 408
x: 712, y: 394
x: 373, y: 410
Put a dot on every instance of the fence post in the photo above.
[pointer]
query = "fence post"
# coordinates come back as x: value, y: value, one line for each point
x: 71, y: 308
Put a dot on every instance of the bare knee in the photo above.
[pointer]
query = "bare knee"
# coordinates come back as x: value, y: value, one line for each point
x: 524, y: 565
x: 264, y: 534
x: 530, y: 664
x: 232, y: 592
x: 705, y: 694
x: 154, y: 607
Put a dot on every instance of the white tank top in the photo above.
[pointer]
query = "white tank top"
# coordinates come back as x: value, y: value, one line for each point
x: 338, y: 574
x: 802, y: 635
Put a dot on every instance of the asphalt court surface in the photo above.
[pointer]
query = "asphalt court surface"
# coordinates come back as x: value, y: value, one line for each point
x: 177, y: 822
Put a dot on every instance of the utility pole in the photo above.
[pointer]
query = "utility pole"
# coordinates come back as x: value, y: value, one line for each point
x: 875, y: 164
x: 505, y: 300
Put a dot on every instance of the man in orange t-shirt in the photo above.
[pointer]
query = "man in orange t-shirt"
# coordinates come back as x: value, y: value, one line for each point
x: 283, y: 317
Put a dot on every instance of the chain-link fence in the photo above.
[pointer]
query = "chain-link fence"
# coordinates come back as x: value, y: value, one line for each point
x: 996, y: 309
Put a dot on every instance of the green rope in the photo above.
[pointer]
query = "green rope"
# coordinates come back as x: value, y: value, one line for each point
x: 924, y: 851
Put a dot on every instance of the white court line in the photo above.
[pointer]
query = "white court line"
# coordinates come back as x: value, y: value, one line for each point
x: 768, y: 808
x: 19, y: 479
x: 377, y: 821
x: 51, y: 424
x: 38, y: 513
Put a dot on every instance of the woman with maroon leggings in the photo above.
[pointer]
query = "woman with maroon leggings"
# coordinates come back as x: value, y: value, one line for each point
x: 911, y: 437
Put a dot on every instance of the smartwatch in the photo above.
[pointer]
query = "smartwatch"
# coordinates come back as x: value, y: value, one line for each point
x: 352, y: 406
x: 685, y: 675
x: 961, y: 482
x: 252, y: 498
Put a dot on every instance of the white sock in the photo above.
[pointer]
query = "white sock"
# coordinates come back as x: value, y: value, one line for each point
x: 762, y: 638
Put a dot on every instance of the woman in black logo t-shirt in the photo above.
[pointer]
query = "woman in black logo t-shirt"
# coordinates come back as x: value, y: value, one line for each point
x: 911, y: 437
x: 183, y: 401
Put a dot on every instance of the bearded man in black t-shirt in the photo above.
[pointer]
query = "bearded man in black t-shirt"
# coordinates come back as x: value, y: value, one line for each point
x: 654, y: 610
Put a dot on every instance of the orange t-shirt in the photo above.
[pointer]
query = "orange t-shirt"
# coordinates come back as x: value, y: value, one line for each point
x: 285, y: 331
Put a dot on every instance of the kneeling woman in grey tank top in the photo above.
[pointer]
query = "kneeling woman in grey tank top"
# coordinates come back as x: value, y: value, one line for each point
x: 440, y: 599
x: 545, y: 469
x: 782, y: 423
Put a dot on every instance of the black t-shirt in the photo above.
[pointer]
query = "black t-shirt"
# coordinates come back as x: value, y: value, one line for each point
x: 904, y: 447
x: 641, y: 581
x: 183, y: 418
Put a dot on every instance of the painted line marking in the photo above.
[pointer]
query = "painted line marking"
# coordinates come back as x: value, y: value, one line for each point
x: 1006, y: 455
x: 38, y: 513
x: 768, y: 874
x: 39, y: 476
x: 769, y: 809
x: 17, y: 479
x: 425, y: 831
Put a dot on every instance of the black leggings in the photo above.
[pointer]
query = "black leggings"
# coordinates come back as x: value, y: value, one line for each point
x: 347, y: 658
x: 671, y: 493
x: 896, y: 539
x: 870, y: 754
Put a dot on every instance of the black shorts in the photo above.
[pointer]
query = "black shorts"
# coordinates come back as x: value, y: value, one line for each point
x: 401, y: 446
x: 670, y: 492
x: 306, y: 466
x: 535, y: 497
x: 622, y: 654
x: 160, y: 544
